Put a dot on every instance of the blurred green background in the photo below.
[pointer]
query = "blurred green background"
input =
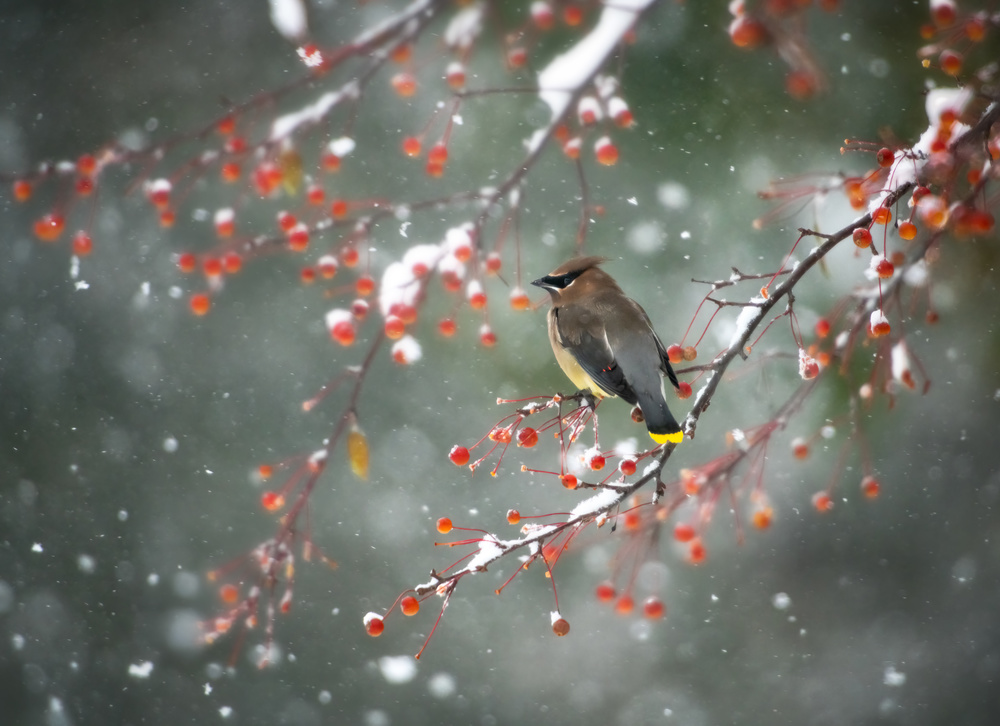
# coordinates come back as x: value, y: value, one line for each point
x: 106, y: 531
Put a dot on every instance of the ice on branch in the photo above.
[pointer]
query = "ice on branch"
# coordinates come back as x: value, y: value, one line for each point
x: 916, y: 275
x: 604, y: 500
x: 407, y: 350
x: 284, y: 126
x: 458, y: 240
x: 574, y: 68
x: 337, y: 316
x: 399, y: 287
x: 490, y: 550
x: 907, y: 166
x: 901, y: 368
x: 878, y: 319
x: 289, y: 18
x: 747, y: 317
x: 464, y: 27
x: 341, y: 147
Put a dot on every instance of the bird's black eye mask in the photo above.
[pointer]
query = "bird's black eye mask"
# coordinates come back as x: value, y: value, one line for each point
x: 557, y: 282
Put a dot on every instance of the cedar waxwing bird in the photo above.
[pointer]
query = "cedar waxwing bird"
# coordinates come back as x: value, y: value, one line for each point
x: 604, y: 342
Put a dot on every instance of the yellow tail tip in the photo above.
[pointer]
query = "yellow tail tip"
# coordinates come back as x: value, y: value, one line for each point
x: 674, y: 438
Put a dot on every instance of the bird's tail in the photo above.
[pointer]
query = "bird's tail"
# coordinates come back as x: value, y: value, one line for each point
x: 660, y: 423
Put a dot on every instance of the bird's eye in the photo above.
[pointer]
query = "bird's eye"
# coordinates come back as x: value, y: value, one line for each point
x: 565, y: 280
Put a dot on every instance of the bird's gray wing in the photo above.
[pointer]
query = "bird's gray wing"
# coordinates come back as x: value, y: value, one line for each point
x: 582, y: 334
x: 661, y: 350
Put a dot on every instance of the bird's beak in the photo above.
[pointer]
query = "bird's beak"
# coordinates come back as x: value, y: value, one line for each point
x: 543, y: 282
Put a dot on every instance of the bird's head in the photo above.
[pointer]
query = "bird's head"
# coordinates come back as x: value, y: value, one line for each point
x: 574, y: 279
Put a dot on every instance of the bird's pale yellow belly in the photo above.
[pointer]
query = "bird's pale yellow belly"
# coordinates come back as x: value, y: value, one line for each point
x: 575, y: 373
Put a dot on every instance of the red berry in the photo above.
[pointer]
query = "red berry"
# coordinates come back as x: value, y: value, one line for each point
x: 84, y: 186
x: 82, y: 244
x: 517, y: 57
x: 951, y: 62
x: 226, y: 126
x: 513, y: 516
x: 159, y: 193
x: 572, y: 147
x: 454, y: 75
x: 624, y: 605
x: 675, y: 353
x: 560, y: 627
x: 882, y: 215
x: 444, y: 525
x: 350, y: 256
x: 167, y: 218
x: 411, y: 146
x: 405, y: 84
x: 409, y: 605
x: 907, y: 230
x: 568, y: 481
x: 747, y: 32
x: 50, y: 227
x: 394, y: 328
x: 459, y: 456
x: 187, y: 262
x: 365, y: 285
x: 519, y: 299
x: 822, y: 502
x: 339, y: 208
x: 374, y: 625
x: 527, y: 437
x: 884, y: 157
x: 862, y: 238
x: 298, y: 237
x: 822, y: 328
x: 684, y: 532
x: 212, y: 266
x: 22, y: 190
x: 438, y: 154
x: 762, y: 517
x: 229, y: 594
x: 683, y: 390
x: 801, y: 84
x: 870, y: 487
x: 572, y: 14
x: 200, y: 303
x: 315, y: 194
x: 605, y: 592
x: 231, y: 263
x: 330, y: 162
x: 447, y: 327
x: 627, y: 467
x: 236, y: 145
x: 343, y: 332
x: 359, y: 309
x: 401, y: 53
x: 944, y: 13
x: 653, y: 608
x: 596, y: 462
x: 605, y: 151
x: 272, y: 501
